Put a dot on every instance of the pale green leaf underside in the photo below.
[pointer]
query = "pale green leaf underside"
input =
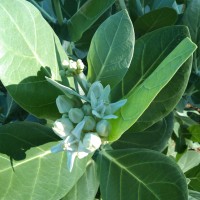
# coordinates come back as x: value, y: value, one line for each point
x: 42, y: 175
x: 87, y: 186
x: 140, y: 97
x: 29, y: 50
x: 111, y: 50
x: 140, y: 174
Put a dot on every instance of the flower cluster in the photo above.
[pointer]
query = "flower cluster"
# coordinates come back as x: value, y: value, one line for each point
x: 83, y: 127
x: 71, y: 67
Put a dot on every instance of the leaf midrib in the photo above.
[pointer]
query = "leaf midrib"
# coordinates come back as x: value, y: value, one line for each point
x: 110, y: 158
x: 104, y: 64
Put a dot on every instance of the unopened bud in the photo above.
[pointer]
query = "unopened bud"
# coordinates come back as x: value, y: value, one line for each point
x: 103, y: 128
x: 91, y: 141
x: 76, y: 115
x: 90, y: 123
x: 80, y: 66
x: 64, y: 104
x: 65, y: 64
x: 63, y: 127
x: 87, y: 109
x: 96, y: 88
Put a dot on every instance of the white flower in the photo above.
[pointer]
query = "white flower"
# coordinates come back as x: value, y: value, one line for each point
x: 91, y: 141
x: 63, y: 127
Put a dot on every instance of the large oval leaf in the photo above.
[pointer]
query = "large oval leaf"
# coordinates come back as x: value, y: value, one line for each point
x: 155, y: 137
x: 28, y: 169
x: 140, y: 174
x: 111, y: 50
x: 87, y: 186
x: 29, y: 51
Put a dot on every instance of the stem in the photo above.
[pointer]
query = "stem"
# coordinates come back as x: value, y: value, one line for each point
x: 76, y: 84
x: 58, y: 11
x: 82, y: 82
x: 44, y: 13
x: 122, y: 4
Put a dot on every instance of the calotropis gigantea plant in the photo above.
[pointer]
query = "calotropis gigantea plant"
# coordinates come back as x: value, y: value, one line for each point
x: 102, y: 117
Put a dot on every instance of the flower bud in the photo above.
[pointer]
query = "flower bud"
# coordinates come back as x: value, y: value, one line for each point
x: 103, y: 128
x: 86, y: 108
x: 90, y: 123
x: 80, y: 66
x: 72, y: 65
x: 65, y: 64
x: 91, y: 141
x: 96, y: 88
x: 63, y: 127
x: 64, y: 104
x: 76, y: 115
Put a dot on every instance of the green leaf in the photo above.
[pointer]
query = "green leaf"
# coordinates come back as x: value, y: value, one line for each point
x: 86, y: 16
x: 82, y: 46
x: 143, y: 174
x: 29, y: 51
x: 70, y: 7
x: 154, y: 20
x: 155, y: 137
x: 189, y: 160
x: 28, y: 169
x: 194, y: 195
x: 192, y: 10
x: 111, y: 50
x: 194, y: 130
x: 141, y: 96
x: 143, y: 64
x: 87, y: 186
x: 194, y: 176
x: 140, y: 7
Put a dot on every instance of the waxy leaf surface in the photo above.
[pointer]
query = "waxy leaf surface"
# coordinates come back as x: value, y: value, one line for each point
x: 147, y: 174
x: 111, y: 50
x: 87, y: 186
x: 28, y: 169
x: 27, y: 55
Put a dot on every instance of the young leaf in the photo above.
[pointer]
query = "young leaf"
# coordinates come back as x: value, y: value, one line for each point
x: 147, y: 175
x: 140, y: 97
x: 28, y: 169
x: 25, y: 59
x: 111, y: 50
x: 86, y: 16
x: 155, y: 137
x: 87, y: 186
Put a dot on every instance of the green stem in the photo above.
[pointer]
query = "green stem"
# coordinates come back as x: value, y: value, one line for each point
x: 44, y: 13
x: 76, y: 84
x: 82, y: 82
x: 122, y: 4
x: 58, y: 11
